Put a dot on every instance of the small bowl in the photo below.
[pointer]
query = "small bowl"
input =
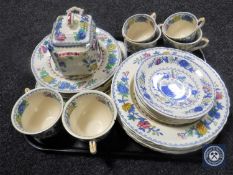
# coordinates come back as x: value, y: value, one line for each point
x: 134, y: 47
x: 200, y: 42
x: 140, y: 28
x: 182, y: 26
x: 37, y: 112
x: 89, y: 116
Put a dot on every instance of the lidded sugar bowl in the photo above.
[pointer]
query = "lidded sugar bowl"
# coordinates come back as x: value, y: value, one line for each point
x: 73, y: 46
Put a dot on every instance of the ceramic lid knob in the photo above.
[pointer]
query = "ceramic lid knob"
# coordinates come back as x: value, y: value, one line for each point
x: 71, y: 17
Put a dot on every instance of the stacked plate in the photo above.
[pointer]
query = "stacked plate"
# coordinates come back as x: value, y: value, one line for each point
x: 170, y: 100
x: 175, y: 90
x: 47, y: 75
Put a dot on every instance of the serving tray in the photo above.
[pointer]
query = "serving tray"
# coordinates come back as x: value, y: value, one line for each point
x: 117, y: 143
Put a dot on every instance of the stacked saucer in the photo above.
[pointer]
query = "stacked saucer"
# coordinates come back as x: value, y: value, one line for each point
x: 47, y: 74
x: 158, y: 89
x: 174, y: 89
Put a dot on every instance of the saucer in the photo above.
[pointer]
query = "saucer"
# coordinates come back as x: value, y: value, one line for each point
x: 169, y: 137
x: 174, y: 87
x: 47, y: 75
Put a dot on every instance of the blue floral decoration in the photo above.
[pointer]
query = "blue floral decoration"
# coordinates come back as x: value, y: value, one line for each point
x: 81, y: 34
x: 194, y: 92
x: 112, y: 60
x: 64, y: 85
x: 122, y: 89
x: 198, y: 109
x: 22, y: 107
x: 187, y: 18
x: 183, y: 63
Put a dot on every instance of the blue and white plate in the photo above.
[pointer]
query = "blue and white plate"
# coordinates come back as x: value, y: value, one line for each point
x: 47, y: 75
x: 159, y: 135
x: 175, y: 87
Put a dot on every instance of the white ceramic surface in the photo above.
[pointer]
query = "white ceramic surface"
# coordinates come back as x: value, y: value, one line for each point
x: 134, y: 46
x: 73, y: 46
x: 175, y: 87
x: 167, y: 136
x: 47, y: 74
x: 182, y: 26
x: 37, y: 111
x: 89, y: 115
x: 140, y: 28
x: 198, y: 43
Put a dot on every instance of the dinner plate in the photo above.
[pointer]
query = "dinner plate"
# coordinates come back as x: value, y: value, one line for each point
x: 156, y: 133
x: 47, y: 75
x: 175, y: 87
x: 142, y: 142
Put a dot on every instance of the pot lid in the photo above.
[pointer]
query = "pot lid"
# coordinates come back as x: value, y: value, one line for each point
x: 72, y: 29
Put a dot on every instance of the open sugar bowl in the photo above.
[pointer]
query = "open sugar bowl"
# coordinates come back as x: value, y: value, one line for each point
x: 74, y: 46
x: 37, y: 113
x: 89, y: 116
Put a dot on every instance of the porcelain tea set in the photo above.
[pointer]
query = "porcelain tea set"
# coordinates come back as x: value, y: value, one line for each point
x: 181, y: 30
x: 165, y: 99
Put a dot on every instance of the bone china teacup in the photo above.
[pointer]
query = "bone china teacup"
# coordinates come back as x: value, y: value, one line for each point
x: 134, y: 47
x: 182, y: 26
x: 140, y: 28
x: 89, y: 116
x: 199, y: 42
x: 37, y: 113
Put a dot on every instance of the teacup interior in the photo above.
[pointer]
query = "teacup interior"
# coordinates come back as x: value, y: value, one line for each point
x: 180, y: 26
x: 38, y: 111
x: 140, y: 29
x: 91, y: 116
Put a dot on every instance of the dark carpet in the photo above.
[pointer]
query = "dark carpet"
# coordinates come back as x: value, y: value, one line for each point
x: 24, y: 23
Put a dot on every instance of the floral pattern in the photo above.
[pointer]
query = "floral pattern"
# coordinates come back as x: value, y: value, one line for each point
x: 112, y: 58
x: 201, y: 128
x: 142, y: 123
x: 50, y: 95
x: 49, y: 79
x: 81, y: 34
x: 58, y: 34
x: 21, y: 108
x: 90, y: 63
x: 154, y: 88
x: 181, y: 16
x: 121, y: 94
x: 47, y: 74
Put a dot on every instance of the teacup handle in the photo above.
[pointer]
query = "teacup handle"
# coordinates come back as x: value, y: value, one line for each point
x: 93, y: 147
x: 202, y: 44
x: 70, y: 14
x: 201, y: 22
x: 26, y: 90
x: 153, y: 15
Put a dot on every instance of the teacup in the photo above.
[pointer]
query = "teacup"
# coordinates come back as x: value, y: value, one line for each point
x: 89, y: 116
x: 140, y: 28
x: 134, y: 46
x: 198, y: 43
x: 182, y: 26
x: 37, y: 113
